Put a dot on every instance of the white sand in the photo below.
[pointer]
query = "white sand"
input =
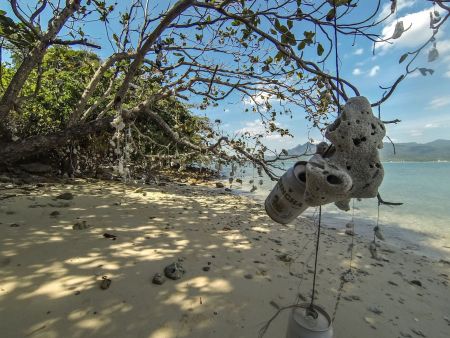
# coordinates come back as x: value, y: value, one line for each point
x: 50, y: 274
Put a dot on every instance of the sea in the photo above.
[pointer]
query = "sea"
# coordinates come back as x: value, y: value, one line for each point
x: 421, y: 224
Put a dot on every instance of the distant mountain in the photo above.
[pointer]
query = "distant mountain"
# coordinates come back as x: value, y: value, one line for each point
x: 438, y: 150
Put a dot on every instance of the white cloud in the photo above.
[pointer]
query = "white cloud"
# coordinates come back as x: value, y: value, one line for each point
x: 256, y: 127
x: 356, y: 71
x: 415, y: 133
x: 447, y: 74
x: 439, y: 102
x: 401, y: 4
x: 374, y: 70
x: 418, y: 33
x: 359, y: 51
x: 431, y: 125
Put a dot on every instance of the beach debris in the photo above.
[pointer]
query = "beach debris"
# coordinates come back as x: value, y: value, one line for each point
x: 349, y: 232
x: 418, y: 332
x: 378, y: 233
x: 65, y: 196
x: 55, y: 213
x: 285, y: 258
x: 158, y: 279
x: 206, y: 268
x: 219, y: 185
x: 416, y: 282
x: 111, y: 236
x: 375, y: 309
x: 373, y: 250
x: 138, y: 190
x: 80, y: 225
x: 105, y: 283
x: 371, y: 322
x: 348, y: 276
x: 174, y: 271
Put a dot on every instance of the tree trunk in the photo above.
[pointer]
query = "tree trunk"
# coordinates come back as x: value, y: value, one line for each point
x: 32, y: 147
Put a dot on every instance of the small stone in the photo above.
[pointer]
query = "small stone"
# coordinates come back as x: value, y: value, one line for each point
x: 206, y: 268
x: 375, y: 310
x: 54, y: 213
x: 228, y: 189
x: 174, y: 271
x: 65, y: 196
x: 392, y: 283
x: 416, y: 282
x: 219, y: 185
x: 80, y: 226
x: 418, y: 332
x: 14, y: 225
x: 106, y: 283
x: 77, y: 293
x: 248, y: 276
x: 349, y: 225
x: 226, y: 228
x: 285, y: 258
x: 158, y: 279
x: 349, y: 232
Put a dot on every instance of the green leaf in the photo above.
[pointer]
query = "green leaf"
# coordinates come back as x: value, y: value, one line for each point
x: 403, y: 58
x: 290, y: 24
x: 331, y: 14
x: 320, y: 49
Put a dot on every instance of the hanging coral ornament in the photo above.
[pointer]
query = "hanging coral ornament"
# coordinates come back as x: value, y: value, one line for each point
x: 348, y: 168
x: 399, y: 30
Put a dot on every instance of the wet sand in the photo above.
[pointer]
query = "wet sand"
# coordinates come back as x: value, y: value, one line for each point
x: 51, y: 269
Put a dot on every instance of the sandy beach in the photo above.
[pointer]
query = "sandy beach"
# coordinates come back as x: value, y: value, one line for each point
x: 240, y: 267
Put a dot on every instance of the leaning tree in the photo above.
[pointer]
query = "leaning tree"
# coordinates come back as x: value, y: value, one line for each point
x: 197, y: 52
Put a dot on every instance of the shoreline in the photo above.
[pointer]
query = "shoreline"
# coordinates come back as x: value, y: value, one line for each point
x: 337, y: 219
x: 50, y: 276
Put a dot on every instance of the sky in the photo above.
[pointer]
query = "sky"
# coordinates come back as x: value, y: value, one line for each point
x: 422, y: 103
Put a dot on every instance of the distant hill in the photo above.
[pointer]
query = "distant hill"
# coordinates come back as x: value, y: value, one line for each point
x: 438, y: 150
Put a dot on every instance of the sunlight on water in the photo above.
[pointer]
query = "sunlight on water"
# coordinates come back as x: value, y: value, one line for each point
x: 421, y: 224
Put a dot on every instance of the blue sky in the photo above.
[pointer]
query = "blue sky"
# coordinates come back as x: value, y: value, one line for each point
x: 422, y: 103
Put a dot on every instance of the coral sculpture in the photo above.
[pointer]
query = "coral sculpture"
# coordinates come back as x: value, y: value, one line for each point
x: 348, y: 168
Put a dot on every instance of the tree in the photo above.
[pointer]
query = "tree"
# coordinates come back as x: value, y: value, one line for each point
x: 200, y: 52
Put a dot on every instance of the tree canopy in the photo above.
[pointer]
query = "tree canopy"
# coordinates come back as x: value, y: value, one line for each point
x: 174, y: 57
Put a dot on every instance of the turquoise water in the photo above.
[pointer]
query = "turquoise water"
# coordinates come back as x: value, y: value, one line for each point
x: 421, y: 224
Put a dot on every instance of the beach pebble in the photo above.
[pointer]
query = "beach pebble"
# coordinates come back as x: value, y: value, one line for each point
x: 174, y: 271
x: 158, y: 279
x: 375, y: 309
x: 416, y: 282
x: 105, y: 283
x: 80, y: 226
x: 54, y: 213
x: 418, y: 332
x: 219, y: 185
x: 285, y: 258
x: 206, y: 268
x: 248, y: 276
x: 65, y: 196
x: 349, y: 232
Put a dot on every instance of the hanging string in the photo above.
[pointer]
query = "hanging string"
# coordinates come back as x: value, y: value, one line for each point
x: 336, y: 60
x: 353, y: 231
x: 311, y: 306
